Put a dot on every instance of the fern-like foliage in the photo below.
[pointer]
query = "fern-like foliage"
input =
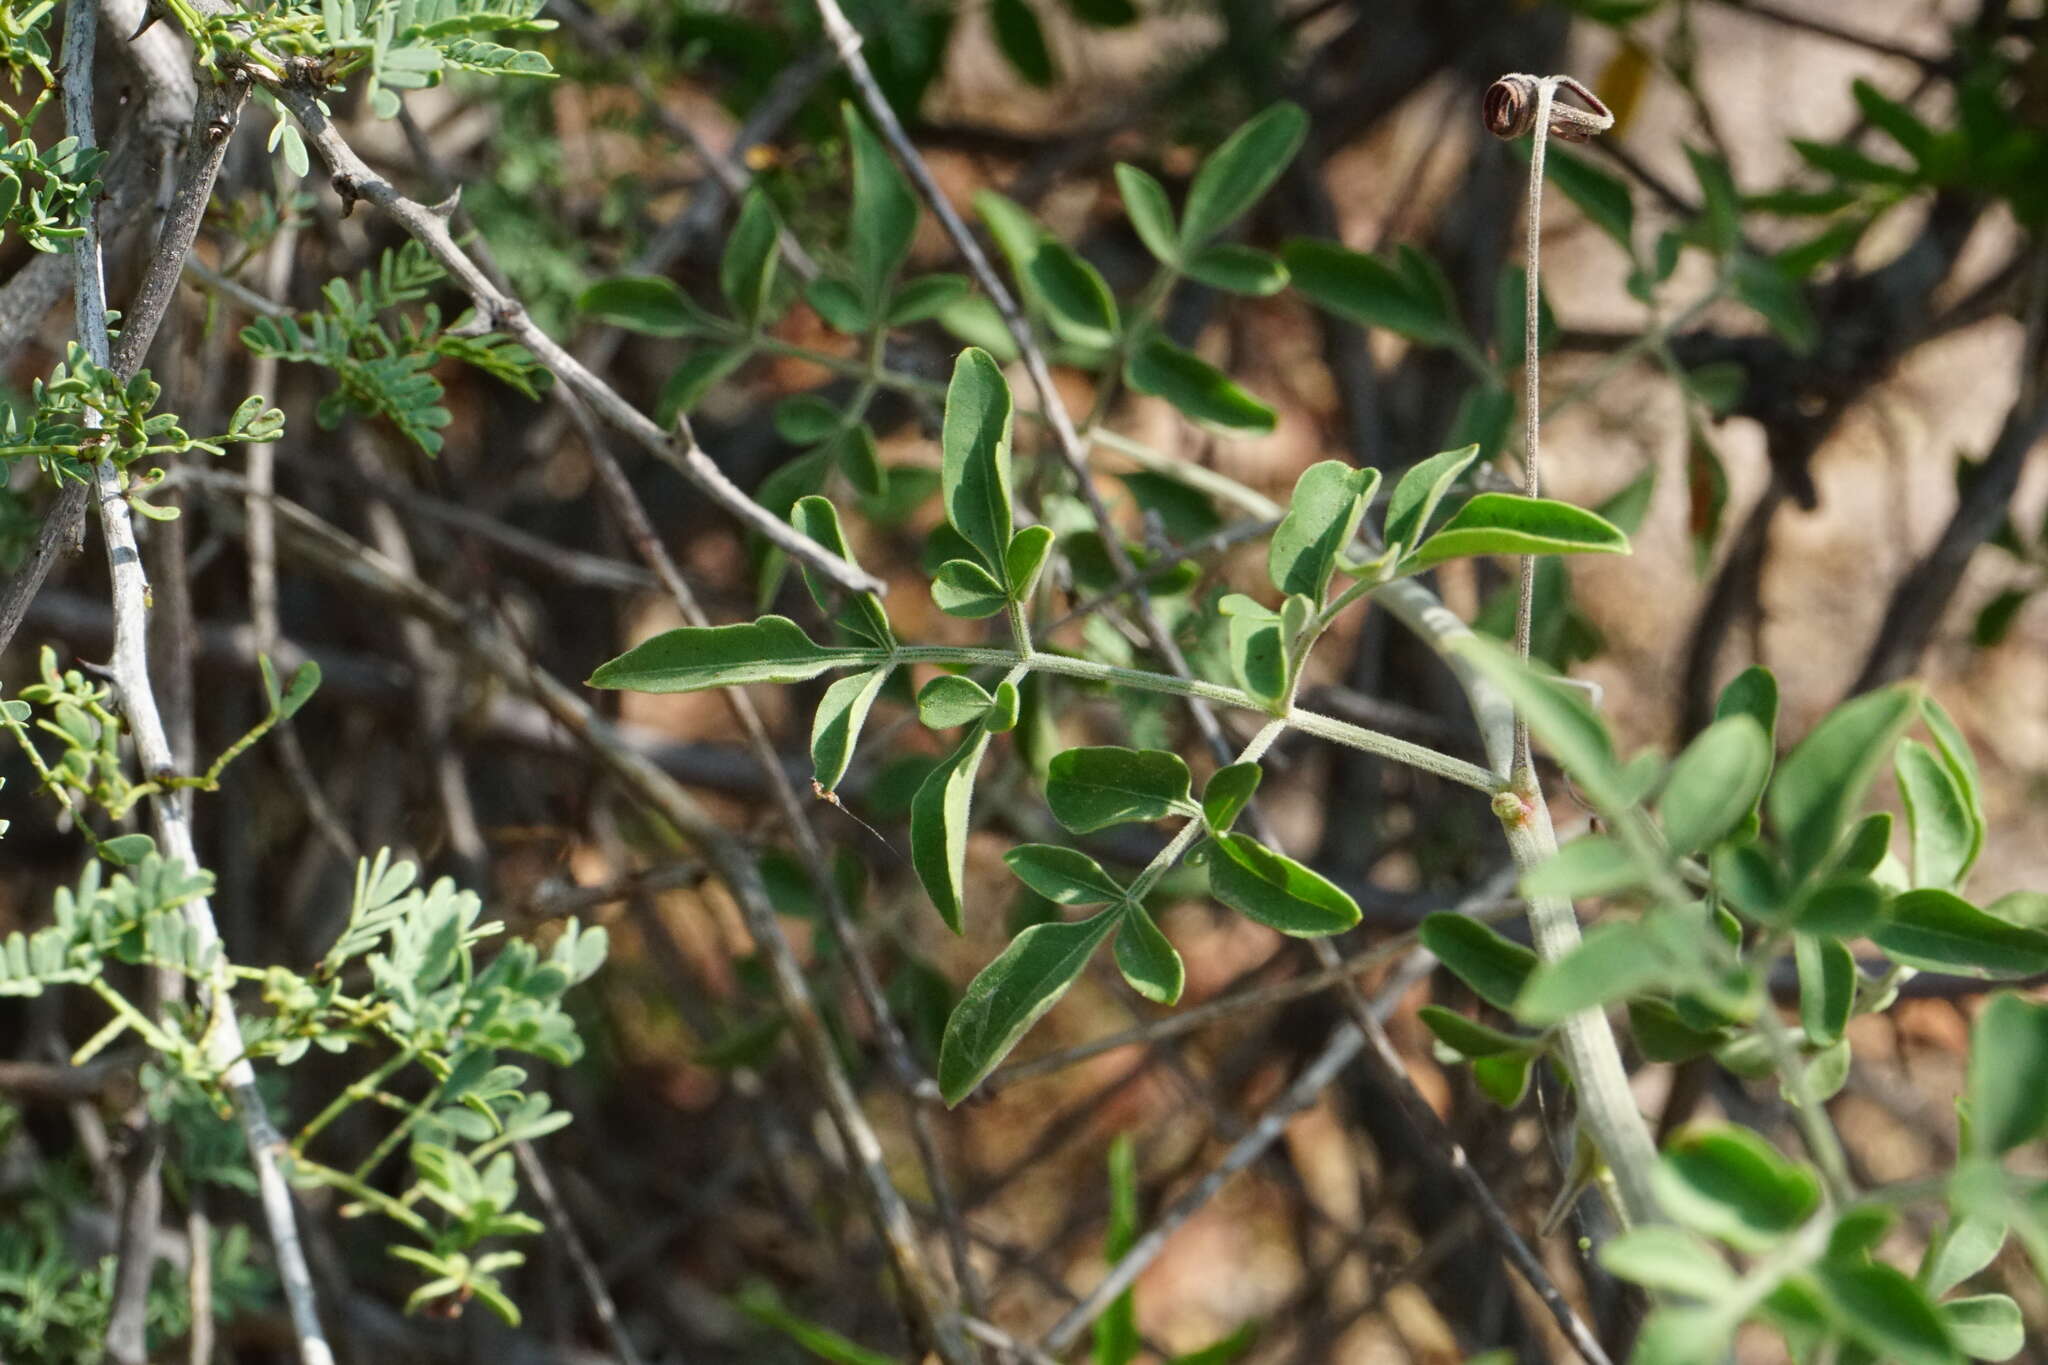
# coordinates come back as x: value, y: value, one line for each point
x: 386, y: 371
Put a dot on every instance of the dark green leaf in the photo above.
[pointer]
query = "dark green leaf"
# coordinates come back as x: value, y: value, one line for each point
x: 1503, y: 1079
x: 1368, y: 291
x: 1201, y: 391
x: 1714, y: 784
x: 1275, y: 890
x: 884, y: 216
x: 1848, y: 164
x: 1415, y: 497
x: 1103, y: 14
x: 1731, y: 1184
x: 949, y: 700
x: 939, y: 816
x: 1559, y: 717
x: 1258, y: 648
x: 1995, y: 618
x: 1228, y: 793
x: 963, y: 588
x: 836, y: 728
x: 1940, y: 931
x: 1470, y: 1038
x: 1962, y: 768
x: 1778, y: 298
x: 1510, y: 524
x: 1147, y: 959
x: 1944, y: 836
x: 1238, y: 269
x: 647, y: 304
x: 1010, y: 994
x: 1022, y: 40
x: 1662, y: 1035
x: 1722, y: 217
x: 1026, y: 556
x: 862, y: 614
x: 976, y: 468
x: 1091, y: 789
x: 1898, y: 122
x: 1074, y: 290
x: 2008, y: 1083
x: 772, y: 649
x: 839, y: 304
x: 703, y: 369
x: 1330, y: 499
x: 1496, y: 968
x: 1151, y: 213
x: 1004, y: 708
x: 1824, y: 779
x: 805, y: 419
x: 1236, y: 174
x: 1063, y: 876
x: 925, y: 298
x: 1752, y: 693
x: 1841, y: 905
x: 746, y: 273
x: 1886, y: 1312
x: 1827, y: 987
x: 1603, y: 198
x: 1116, y: 1331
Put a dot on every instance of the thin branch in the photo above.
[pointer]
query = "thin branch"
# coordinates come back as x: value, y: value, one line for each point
x: 223, y: 1038
x: 354, y: 180
x: 579, y: 1254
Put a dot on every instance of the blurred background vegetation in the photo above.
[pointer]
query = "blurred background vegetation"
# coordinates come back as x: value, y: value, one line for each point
x: 1796, y: 304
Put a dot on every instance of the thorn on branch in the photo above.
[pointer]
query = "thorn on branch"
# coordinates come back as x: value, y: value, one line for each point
x: 447, y: 207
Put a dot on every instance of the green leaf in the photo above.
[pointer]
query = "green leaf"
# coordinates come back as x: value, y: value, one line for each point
x: 1663, y: 1036
x: 1827, y: 987
x: 1116, y: 1331
x: 1063, y: 876
x: 647, y: 304
x: 1985, y: 1326
x: 1995, y: 618
x: 1202, y: 392
x: 926, y: 297
x: 949, y: 700
x: 1886, y: 1312
x: 1659, y: 1256
x: 1238, y: 269
x: 1469, y: 1038
x: 1368, y: 291
x: 1966, y: 1246
x: 759, y: 1302
x: 1940, y: 931
x: 1276, y: 891
x: 1752, y: 693
x: 973, y: 319
x: 1510, y: 524
x: 1944, y: 836
x: 836, y: 727
x: 1329, y: 501
x: 1495, y: 967
x: 1073, y: 289
x: 772, y: 649
x: 746, y: 273
x: 1590, y: 865
x: 1844, y: 906
x: 1258, y: 648
x: 1238, y: 173
x: 839, y: 304
x: 1010, y: 994
x: 1962, y: 767
x: 1714, y: 784
x: 1104, y: 14
x: 1151, y: 213
x: 884, y: 215
x: 975, y: 476
x: 701, y: 371
x: 1416, y: 496
x: 1228, y: 793
x: 963, y: 588
x: 1026, y: 556
x: 1503, y: 1079
x: 939, y: 816
x: 126, y: 850
x: 805, y: 419
x: 1731, y: 1184
x: 2007, y: 1093
x: 861, y: 615
x: 1603, y: 198
x: 1003, y: 708
x: 1022, y: 41
x: 1147, y: 959
x: 1617, y: 959
x: 1094, y: 788
x: 1778, y: 298
x: 1824, y: 779
x: 1559, y: 717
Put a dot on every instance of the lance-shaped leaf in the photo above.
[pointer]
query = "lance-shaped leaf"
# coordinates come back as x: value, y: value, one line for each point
x: 1510, y: 524
x: 939, y: 815
x: 1151, y: 212
x: 1415, y: 498
x: 1330, y: 499
x: 648, y: 304
x: 1559, y: 717
x: 1371, y: 292
x: 1275, y: 890
x: 949, y: 700
x: 884, y: 215
x: 963, y: 588
x: 1064, y: 876
x: 1074, y: 290
x: 2008, y: 1083
x: 773, y: 649
x: 1147, y: 959
x: 1944, y: 831
x: 1822, y: 781
x: 836, y: 727
x: 746, y: 273
x: 861, y: 615
x: 1940, y: 931
x: 1010, y: 994
x: 1202, y: 392
x: 1094, y: 788
x: 1494, y: 966
x: 1233, y: 176
x: 1962, y: 766
x: 1238, y: 269
x: 1022, y: 40
x: 975, y: 475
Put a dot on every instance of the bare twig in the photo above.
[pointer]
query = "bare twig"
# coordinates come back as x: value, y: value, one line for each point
x: 223, y: 1039
x: 354, y: 180
x: 579, y: 1254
